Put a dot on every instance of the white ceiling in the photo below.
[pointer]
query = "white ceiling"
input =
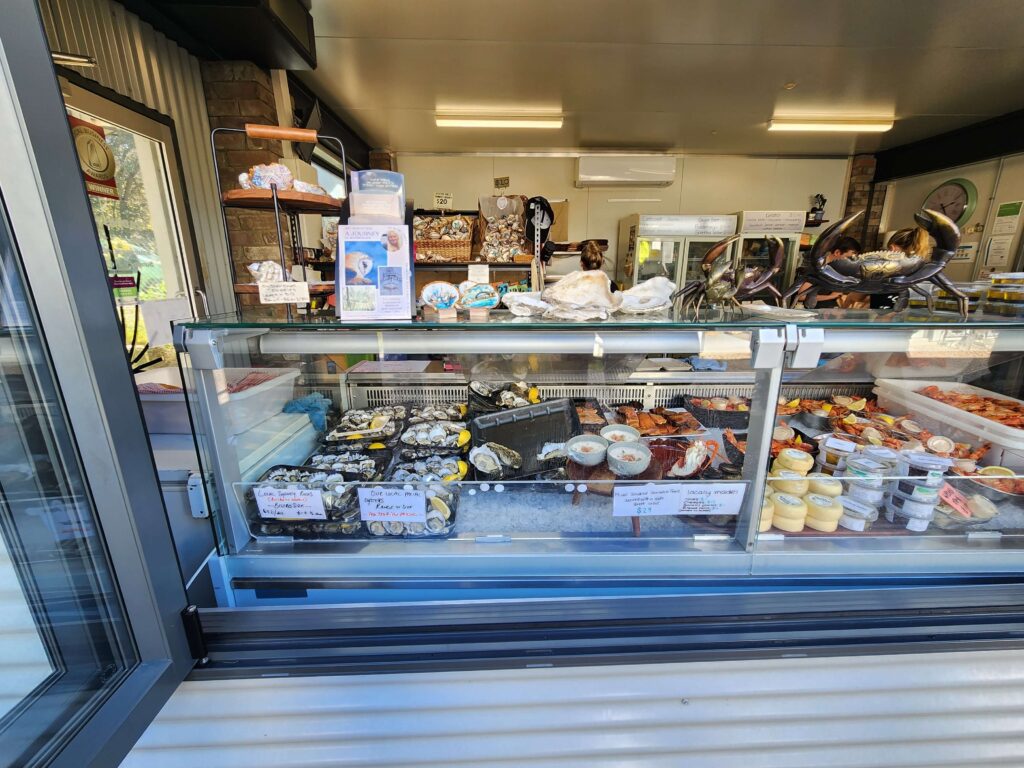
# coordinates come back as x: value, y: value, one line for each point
x: 698, y: 76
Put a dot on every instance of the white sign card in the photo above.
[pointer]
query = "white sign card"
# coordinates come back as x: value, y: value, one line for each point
x: 998, y: 251
x: 289, y: 503
x: 478, y: 273
x: 711, y: 498
x: 443, y: 201
x: 387, y: 504
x: 687, y: 224
x: 772, y: 222
x: 1007, y: 218
x: 284, y: 292
x: 373, y: 273
x: 646, y: 500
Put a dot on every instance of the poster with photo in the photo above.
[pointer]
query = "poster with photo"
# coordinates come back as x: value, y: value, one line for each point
x: 373, y: 273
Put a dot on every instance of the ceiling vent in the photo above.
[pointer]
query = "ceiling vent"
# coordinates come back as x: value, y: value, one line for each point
x: 625, y: 170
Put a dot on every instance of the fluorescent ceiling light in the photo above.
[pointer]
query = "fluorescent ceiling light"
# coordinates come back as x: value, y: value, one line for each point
x: 498, y: 121
x: 830, y: 126
x: 72, y: 59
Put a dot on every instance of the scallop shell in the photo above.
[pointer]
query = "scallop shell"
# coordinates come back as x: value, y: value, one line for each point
x: 439, y: 295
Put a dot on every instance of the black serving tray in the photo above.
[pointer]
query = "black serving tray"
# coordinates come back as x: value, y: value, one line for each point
x: 525, y: 430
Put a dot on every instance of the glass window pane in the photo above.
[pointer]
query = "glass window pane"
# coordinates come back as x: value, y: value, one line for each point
x: 64, y: 640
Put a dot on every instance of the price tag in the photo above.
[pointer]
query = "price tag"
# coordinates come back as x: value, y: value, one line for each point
x: 646, y: 500
x: 478, y: 273
x: 290, y: 503
x: 711, y: 498
x: 955, y: 499
x: 281, y: 292
x: 392, y: 504
x: 443, y: 200
x: 501, y: 182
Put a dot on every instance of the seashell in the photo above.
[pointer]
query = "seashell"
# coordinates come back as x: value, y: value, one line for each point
x: 436, y: 521
x: 583, y: 289
x: 485, y: 459
x: 482, y: 388
x: 439, y: 295
x: 394, y: 527
x: 377, y: 528
x: 479, y: 296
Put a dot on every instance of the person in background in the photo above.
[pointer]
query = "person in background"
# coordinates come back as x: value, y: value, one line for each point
x: 591, y: 257
x: 845, y: 246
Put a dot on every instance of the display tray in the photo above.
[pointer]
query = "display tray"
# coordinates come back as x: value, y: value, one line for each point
x: 720, y: 419
x: 591, y: 414
x: 289, y: 201
x: 657, y: 422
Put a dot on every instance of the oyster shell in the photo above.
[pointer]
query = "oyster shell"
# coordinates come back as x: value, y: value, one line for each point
x: 649, y: 296
x: 583, y: 289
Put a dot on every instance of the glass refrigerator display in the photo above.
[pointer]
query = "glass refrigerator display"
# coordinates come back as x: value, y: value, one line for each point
x: 520, y: 447
x: 667, y: 246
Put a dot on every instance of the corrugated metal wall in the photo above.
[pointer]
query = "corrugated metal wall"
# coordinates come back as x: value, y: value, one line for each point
x: 949, y: 709
x: 138, y: 62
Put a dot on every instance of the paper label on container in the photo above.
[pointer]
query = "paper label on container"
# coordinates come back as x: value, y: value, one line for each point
x: 478, y: 273
x: 387, y: 504
x: 284, y: 292
x: 646, y: 500
x: 711, y: 498
x: 955, y: 499
x: 290, y: 503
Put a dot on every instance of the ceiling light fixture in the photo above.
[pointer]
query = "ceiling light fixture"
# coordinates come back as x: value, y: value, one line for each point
x: 498, y: 121
x: 72, y: 59
x: 831, y: 126
x: 790, y: 85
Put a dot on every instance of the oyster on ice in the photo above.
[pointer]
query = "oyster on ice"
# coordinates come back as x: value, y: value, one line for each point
x: 494, y: 460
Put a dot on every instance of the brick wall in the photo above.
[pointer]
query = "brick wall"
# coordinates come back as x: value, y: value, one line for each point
x: 239, y: 92
x: 859, y: 196
x: 382, y: 160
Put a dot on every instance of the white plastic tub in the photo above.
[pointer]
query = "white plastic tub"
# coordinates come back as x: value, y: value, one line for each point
x: 899, y: 396
x: 165, y: 412
x: 244, y: 410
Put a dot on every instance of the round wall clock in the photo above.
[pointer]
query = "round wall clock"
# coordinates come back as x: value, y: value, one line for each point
x: 956, y: 198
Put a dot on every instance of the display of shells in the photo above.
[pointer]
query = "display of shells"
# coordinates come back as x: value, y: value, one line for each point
x: 380, y: 422
x: 443, y: 412
x: 430, y: 469
x: 442, y: 228
x: 503, y: 237
x: 348, y: 462
x: 440, y: 295
x: 479, y: 296
x: 515, y: 394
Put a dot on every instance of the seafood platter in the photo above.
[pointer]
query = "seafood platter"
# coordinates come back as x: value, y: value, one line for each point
x: 847, y: 465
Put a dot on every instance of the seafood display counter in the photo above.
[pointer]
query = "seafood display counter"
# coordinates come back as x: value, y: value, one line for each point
x: 455, y: 459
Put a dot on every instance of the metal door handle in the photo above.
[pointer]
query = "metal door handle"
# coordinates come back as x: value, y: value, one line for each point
x: 206, y: 304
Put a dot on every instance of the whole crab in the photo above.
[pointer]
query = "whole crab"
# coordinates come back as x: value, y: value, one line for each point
x: 886, y: 272
x: 721, y: 283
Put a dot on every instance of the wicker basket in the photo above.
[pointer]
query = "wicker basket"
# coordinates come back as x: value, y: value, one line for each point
x: 443, y: 251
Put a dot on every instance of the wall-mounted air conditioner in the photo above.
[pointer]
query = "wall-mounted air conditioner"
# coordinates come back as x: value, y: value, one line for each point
x: 625, y: 170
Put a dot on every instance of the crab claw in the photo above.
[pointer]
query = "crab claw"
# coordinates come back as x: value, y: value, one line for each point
x: 942, y: 228
x: 717, y: 250
x: 758, y: 282
x: 827, y: 241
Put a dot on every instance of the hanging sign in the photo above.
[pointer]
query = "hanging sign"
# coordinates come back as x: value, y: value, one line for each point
x: 95, y: 158
x: 443, y: 201
x: 501, y: 182
x: 771, y: 222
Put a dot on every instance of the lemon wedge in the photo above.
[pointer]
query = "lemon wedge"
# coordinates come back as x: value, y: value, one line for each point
x: 355, y: 436
x: 827, y: 407
x: 463, y: 437
x: 463, y: 408
x: 533, y: 395
x: 851, y: 419
x: 886, y: 418
x: 463, y: 469
x: 858, y: 405
x: 379, y: 421
x: 441, y: 507
x: 793, y: 403
x: 742, y: 407
x: 376, y: 446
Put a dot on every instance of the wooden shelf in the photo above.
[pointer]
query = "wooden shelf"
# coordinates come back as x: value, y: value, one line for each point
x: 289, y: 201
x: 315, y: 289
x: 462, y: 265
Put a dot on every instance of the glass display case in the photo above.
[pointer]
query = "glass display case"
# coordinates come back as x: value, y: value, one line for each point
x: 426, y: 460
x: 669, y: 246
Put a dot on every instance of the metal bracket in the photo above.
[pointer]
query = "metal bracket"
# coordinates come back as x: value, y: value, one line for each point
x: 804, y: 346
x: 196, y: 496
x: 194, y: 634
x: 767, y: 346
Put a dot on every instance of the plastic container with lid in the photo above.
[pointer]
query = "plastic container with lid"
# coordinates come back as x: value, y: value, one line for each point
x: 1007, y: 278
x: 917, y: 491
x: 925, y: 468
x: 824, y: 468
x: 857, y: 516
x: 835, y: 450
x: 916, y: 524
x: 788, y: 481
x: 826, y: 485
x: 908, y: 507
x: 851, y: 523
x: 794, y: 459
x: 883, y: 454
x: 866, y: 493
x: 867, y: 472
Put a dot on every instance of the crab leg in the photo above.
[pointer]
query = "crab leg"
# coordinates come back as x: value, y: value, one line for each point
x: 763, y: 280
x: 947, y: 285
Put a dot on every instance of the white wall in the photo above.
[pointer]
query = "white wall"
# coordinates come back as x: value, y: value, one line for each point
x: 998, y: 181
x: 704, y: 184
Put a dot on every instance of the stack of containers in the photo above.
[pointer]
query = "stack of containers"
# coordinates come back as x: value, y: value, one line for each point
x: 1005, y: 296
x: 799, y: 497
x: 914, y: 499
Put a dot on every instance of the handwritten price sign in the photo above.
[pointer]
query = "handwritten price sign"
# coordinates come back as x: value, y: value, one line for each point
x: 290, y: 503
x: 392, y: 504
x: 646, y: 500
